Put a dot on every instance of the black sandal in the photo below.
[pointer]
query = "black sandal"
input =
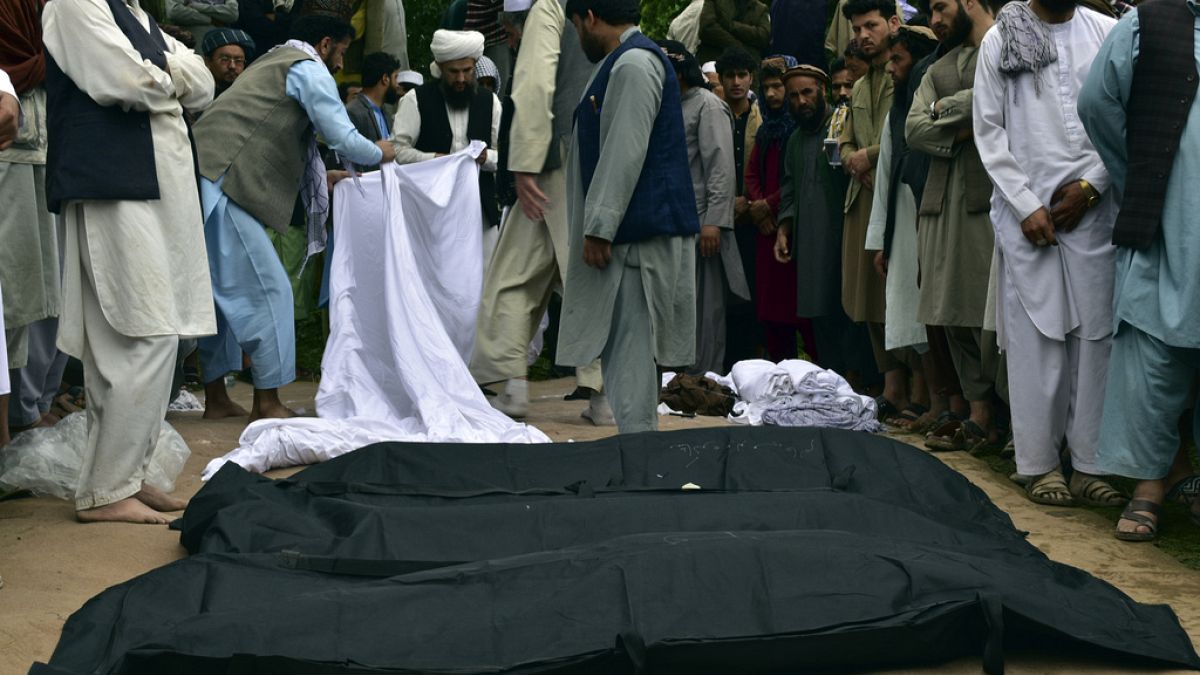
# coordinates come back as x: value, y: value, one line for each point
x: 1130, y: 513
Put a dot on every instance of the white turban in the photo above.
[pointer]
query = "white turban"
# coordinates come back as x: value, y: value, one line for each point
x: 452, y: 45
x: 517, y: 5
x: 410, y: 77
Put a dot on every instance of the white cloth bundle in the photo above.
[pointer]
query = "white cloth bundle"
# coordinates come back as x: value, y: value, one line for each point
x: 758, y: 381
x: 406, y: 281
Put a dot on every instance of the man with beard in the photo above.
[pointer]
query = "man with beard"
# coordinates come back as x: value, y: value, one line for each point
x: 630, y: 293
x: 1053, y: 223
x: 449, y: 111
x: 226, y: 52
x: 892, y: 233
x: 1139, y: 107
x: 257, y: 149
x: 719, y: 274
x: 776, y: 301
x: 810, y: 220
x: 379, y: 73
x: 862, y: 289
x: 956, y: 240
x: 531, y: 256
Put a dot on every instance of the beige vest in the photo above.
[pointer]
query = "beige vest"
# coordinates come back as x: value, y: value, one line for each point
x: 257, y: 137
x: 947, y: 80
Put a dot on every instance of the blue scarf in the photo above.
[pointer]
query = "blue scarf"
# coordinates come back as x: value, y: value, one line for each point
x: 777, y: 125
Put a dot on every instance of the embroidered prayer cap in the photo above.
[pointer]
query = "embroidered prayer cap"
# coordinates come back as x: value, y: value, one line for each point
x: 410, y: 77
x: 452, y: 45
x: 485, y: 67
x: 220, y: 37
x: 807, y: 70
x: 709, y: 67
x: 517, y: 5
x: 341, y: 9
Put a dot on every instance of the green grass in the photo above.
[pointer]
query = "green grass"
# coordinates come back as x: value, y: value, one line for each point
x: 310, y: 347
x: 1177, y: 535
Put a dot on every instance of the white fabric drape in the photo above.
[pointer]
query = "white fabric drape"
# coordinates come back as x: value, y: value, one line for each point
x: 405, y: 285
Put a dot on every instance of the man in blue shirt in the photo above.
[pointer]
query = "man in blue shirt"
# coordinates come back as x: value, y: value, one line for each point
x: 380, y: 73
x: 257, y: 150
x: 1140, y: 110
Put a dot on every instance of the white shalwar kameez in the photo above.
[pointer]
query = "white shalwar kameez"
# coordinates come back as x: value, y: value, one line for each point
x: 135, y: 276
x: 900, y: 327
x: 1054, y: 305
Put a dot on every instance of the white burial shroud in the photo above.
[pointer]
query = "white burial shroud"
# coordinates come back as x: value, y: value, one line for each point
x: 405, y: 285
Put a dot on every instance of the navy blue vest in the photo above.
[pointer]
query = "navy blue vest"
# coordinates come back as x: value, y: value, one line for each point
x: 663, y: 202
x: 100, y: 152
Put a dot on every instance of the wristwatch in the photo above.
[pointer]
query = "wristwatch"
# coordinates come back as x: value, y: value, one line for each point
x: 933, y: 113
x: 1093, y: 197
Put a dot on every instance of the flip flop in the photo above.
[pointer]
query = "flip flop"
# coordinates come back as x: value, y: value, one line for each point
x: 1130, y: 513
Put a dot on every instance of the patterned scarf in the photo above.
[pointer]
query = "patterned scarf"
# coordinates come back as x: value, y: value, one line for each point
x: 777, y: 125
x: 1026, y: 44
x: 314, y: 190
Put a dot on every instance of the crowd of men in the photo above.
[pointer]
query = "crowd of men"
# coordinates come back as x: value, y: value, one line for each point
x: 976, y: 211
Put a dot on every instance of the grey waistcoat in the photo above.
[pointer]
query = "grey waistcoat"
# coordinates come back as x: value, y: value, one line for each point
x: 257, y: 137
x: 946, y: 81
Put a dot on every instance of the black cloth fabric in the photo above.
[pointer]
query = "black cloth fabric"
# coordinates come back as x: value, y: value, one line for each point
x: 915, y: 169
x: 436, y: 135
x: 802, y: 549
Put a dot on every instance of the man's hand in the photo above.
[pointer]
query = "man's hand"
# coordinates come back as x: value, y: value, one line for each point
x: 1039, y: 229
x: 335, y: 176
x: 760, y: 211
x: 741, y: 206
x: 1068, y: 205
x: 597, y: 252
x: 710, y: 240
x: 881, y: 264
x: 857, y: 163
x: 782, y: 254
x: 529, y: 194
x: 389, y: 151
x: 10, y: 119
x: 482, y: 158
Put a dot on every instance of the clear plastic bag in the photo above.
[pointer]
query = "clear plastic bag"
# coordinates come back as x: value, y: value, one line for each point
x: 47, y: 460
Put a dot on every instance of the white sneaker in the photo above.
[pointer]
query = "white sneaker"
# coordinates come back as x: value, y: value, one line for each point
x: 514, y: 400
x: 599, y: 412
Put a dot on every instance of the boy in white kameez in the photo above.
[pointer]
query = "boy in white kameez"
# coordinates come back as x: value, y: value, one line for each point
x: 1053, y: 221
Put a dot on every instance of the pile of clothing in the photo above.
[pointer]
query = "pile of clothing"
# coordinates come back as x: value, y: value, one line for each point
x: 792, y: 393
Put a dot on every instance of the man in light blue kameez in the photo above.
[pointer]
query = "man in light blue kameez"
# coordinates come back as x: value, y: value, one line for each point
x: 1140, y: 109
x: 630, y: 289
x: 257, y: 150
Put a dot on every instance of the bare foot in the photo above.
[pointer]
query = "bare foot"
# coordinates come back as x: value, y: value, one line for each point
x: 271, y: 411
x: 219, y: 410
x: 128, y: 510
x: 159, y: 500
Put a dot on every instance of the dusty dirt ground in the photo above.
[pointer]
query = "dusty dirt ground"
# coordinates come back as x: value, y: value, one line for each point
x: 50, y: 565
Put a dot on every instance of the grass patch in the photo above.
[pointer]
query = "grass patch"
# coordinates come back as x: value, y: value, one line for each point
x: 1177, y: 535
x: 311, y: 336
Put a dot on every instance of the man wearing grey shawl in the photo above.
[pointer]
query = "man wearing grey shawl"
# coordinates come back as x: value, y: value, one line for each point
x: 1053, y: 219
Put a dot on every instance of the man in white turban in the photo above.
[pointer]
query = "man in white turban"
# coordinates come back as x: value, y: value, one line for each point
x: 447, y: 112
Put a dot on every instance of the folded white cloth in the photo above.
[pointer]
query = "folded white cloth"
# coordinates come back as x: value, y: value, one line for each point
x: 758, y: 381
